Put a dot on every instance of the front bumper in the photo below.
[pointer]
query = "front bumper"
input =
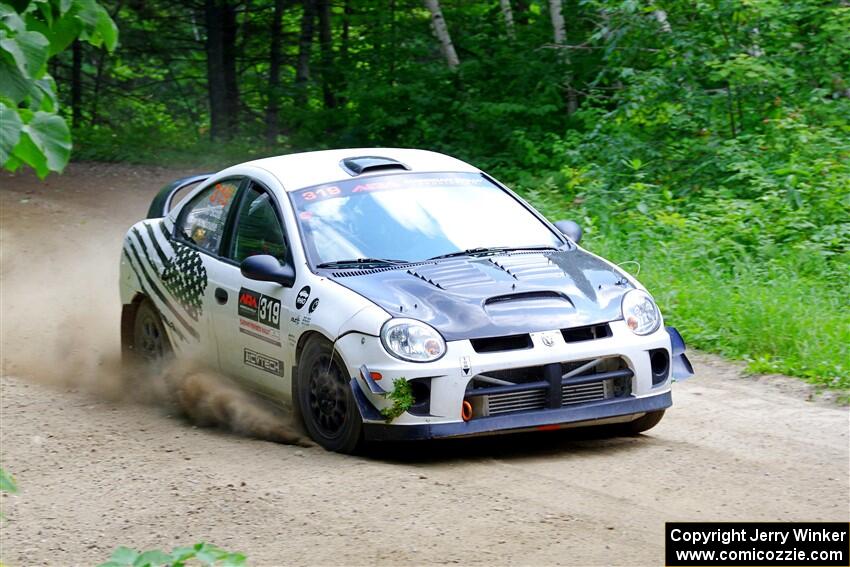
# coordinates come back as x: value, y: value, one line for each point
x: 545, y: 419
x: 556, y: 399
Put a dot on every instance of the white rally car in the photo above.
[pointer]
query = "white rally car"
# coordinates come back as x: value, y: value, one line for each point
x: 394, y: 294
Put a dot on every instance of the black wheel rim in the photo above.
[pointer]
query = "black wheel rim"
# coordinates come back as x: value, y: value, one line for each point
x: 149, y: 340
x: 327, y: 397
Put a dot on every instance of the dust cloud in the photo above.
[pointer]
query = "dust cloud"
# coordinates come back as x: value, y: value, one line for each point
x: 59, y: 325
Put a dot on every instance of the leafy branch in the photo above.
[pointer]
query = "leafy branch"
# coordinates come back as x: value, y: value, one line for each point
x: 401, y: 397
x: 203, y: 553
x: 31, y: 130
x: 7, y: 484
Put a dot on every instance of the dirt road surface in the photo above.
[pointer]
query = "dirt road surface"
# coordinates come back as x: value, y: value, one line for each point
x: 99, y: 465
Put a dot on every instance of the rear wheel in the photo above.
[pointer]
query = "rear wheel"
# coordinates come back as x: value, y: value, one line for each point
x: 150, y: 342
x: 325, y: 400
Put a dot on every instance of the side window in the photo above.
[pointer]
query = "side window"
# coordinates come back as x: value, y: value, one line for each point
x: 258, y: 228
x: 202, y: 221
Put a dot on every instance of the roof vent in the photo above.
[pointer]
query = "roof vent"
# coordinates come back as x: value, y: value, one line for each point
x: 364, y: 164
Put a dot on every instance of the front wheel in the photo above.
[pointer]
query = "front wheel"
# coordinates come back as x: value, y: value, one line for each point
x: 325, y: 400
x: 644, y: 423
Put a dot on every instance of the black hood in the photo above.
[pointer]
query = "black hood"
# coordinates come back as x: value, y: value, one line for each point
x: 505, y: 294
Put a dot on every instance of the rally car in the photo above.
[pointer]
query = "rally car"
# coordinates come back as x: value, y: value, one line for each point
x: 394, y: 294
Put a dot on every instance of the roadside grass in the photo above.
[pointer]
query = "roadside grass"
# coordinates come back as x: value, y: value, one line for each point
x: 169, y: 149
x: 776, y: 320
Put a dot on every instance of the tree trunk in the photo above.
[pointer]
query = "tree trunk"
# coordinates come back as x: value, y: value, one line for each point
x: 98, y: 81
x: 273, y: 103
x: 305, y: 44
x: 393, y: 44
x: 231, y: 82
x: 215, y: 69
x: 442, y: 33
x: 509, y: 18
x: 94, y: 118
x: 77, y: 84
x: 326, y: 44
x: 346, y: 32
x: 559, y: 30
x: 559, y: 34
x: 344, y: 58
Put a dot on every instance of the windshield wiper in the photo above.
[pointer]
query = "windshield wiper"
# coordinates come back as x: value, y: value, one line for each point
x: 489, y: 250
x: 361, y: 262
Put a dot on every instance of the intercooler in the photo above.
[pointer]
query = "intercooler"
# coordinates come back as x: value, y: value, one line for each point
x: 495, y: 404
x: 523, y: 390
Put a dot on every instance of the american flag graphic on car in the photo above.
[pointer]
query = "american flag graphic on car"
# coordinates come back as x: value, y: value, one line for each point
x: 186, y: 278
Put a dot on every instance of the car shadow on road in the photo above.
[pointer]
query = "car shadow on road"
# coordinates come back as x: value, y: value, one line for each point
x: 510, y: 446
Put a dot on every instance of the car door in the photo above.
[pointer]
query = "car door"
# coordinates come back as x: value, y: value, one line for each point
x: 250, y: 317
x: 189, y: 259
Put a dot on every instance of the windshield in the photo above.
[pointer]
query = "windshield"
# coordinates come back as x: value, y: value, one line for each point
x: 413, y: 217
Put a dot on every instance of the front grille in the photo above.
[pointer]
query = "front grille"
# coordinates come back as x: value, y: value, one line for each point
x: 583, y: 393
x: 495, y: 404
x: 531, y: 388
x: 518, y: 401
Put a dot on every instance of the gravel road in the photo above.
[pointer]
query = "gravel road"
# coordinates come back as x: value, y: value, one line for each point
x: 100, y: 464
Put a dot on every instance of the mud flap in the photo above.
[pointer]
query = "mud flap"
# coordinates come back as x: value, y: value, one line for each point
x: 368, y: 412
x: 681, y: 366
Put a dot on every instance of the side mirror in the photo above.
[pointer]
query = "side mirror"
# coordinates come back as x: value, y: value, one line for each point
x: 570, y: 229
x: 266, y: 268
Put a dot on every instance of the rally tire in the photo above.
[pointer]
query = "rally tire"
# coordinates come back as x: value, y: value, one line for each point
x: 149, y: 344
x: 644, y: 423
x: 324, y: 399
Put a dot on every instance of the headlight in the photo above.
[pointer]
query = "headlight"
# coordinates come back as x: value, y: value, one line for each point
x: 640, y: 312
x: 412, y: 340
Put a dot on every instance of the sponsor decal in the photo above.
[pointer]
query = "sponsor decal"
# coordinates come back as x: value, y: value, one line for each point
x: 249, y: 302
x: 386, y: 183
x: 258, y: 331
x: 302, y: 297
x: 263, y: 362
x: 314, y: 305
x: 255, y: 306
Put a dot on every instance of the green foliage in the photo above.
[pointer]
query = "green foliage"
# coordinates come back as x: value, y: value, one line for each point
x: 401, y: 397
x: 200, y: 553
x: 31, y: 131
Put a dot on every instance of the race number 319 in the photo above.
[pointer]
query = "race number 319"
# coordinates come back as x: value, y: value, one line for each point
x: 269, y: 311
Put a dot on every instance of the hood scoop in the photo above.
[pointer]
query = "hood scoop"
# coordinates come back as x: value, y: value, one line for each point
x: 355, y: 166
x: 550, y: 307
x: 552, y: 296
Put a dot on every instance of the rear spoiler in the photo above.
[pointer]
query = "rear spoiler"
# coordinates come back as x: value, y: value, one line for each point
x: 161, y: 204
